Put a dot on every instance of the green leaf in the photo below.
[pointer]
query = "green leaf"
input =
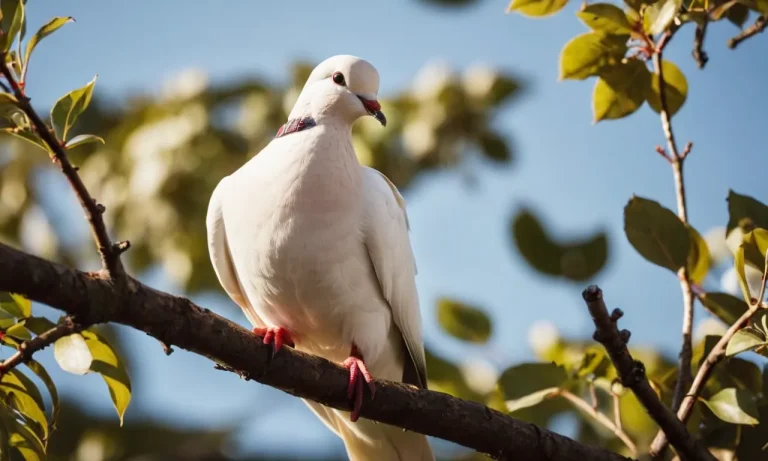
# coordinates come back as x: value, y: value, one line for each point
x: 605, y: 17
x: 745, y: 213
x: 73, y: 354
x: 5, y: 443
x: 25, y: 401
x: 24, y: 440
x: 536, y: 8
x: 735, y: 406
x: 656, y: 233
x: 698, y: 257
x: 11, y: 23
x: 738, y: 14
x: 51, y: 27
x: 81, y: 139
x: 738, y: 262
x: 8, y: 98
x: 38, y: 325
x: 726, y: 307
x: 675, y: 89
x: 531, y: 399
x: 25, y: 305
x: 27, y: 136
x: 755, y: 244
x: 41, y: 373
x: 463, y: 321
x: 576, y: 260
x: 592, y: 360
x: 659, y: 15
x: 106, y: 363
x: 19, y: 331
x: 746, y: 339
x: 620, y: 90
x: 585, y: 55
x: 69, y: 107
x: 524, y: 379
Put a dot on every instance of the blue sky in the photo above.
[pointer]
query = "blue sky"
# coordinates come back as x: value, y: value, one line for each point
x: 578, y: 176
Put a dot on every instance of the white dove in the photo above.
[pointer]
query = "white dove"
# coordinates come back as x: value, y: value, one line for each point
x: 315, y: 249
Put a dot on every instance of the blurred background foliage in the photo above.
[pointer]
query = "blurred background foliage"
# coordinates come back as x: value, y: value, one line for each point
x: 164, y: 153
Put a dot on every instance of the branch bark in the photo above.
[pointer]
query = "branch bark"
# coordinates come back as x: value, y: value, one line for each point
x: 92, y: 298
x: 632, y: 374
x: 761, y: 23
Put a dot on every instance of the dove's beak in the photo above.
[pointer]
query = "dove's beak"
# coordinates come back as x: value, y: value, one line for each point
x: 374, y: 108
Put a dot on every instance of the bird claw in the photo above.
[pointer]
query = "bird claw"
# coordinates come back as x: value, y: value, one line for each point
x: 275, y: 335
x: 358, y: 372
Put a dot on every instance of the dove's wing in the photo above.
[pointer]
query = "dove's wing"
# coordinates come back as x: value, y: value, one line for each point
x: 218, y: 249
x: 389, y: 247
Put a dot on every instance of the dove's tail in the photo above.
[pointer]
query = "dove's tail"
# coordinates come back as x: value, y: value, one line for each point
x: 369, y: 441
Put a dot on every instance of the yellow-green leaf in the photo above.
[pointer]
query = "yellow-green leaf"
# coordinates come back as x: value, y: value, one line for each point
x: 43, y: 32
x: 585, y: 55
x: 19, y: 331
x: 745, y: 213
x: 69, y: 107
x: 21, y: 437
x: 25, y: 305
x: 746, y: 339
x: 107, y: 363
x: 463, y: 321
x: 27, y: 136
x: 605, y: 17
x: 726, y: 307
x: 576, y: 260
x: 620, y: 90
x: 755, y: 244
x: 41, y: 373
x: 656, y: 233
x: 25, y: 401
x: 525, y: 379
x: 73, y: 354
x: 11, y: 23
x: 738, y: 262
x: 735, y: 406
x: 675, y: 89
x: 7, y: 98
x: 659, y: 15
x: 81, y: 139
x: 38, y: 325
x: 698, y: 257
x: 536, y: 8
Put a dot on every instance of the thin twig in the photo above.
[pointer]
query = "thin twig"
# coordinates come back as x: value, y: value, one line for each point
x: 616, y: 409
x: 41, y: 341
x: 593, y: 395
x: 110, y: 254
x: 584, y: 406
x: 684, y: 373
x: 761, y: 23
x: 699, y: 55
x: 705, y: 370
x: 632, y: 375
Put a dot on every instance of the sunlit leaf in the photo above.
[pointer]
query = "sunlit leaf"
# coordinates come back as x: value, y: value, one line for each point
x: 25, y: 305
x: 736, y: 406
x: 577, y: 260
x: 7, y: 98
x: 73, y: 354
x: 746, y: 339
x: 755, y: 244
x: 463, y: 321
x: 38, y: 325
x: 605, y: 17
x: 69, y: 107
x: 79, y: 140
x: 675, y: 89
x: 531, y: 399
x: 620, y: 90
x: 527, y: 378
x: 659, y: 15
x: 726, y: 307
x: 698, y: 257
x: 19, y: 331
x: 585, y: 55
x: 106, y: 363
x: 592, y: 360
x: 738, y: 262
x: 536, y: 8
x: 41, y: 373
x: 20, y: 435
x: 745, y: 213
x: 43, y: 32
x: 26, y: 400
x: 11, y: 23
x: 27, y: 136
x: 656, y: 233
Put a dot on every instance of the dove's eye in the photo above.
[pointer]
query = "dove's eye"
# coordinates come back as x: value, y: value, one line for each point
x: 338, y: 78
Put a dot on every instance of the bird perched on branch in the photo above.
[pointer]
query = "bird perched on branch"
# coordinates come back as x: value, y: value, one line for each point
x: 315, y: 249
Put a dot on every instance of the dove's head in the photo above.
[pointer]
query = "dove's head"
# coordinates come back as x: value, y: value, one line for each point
x: 342, y: 88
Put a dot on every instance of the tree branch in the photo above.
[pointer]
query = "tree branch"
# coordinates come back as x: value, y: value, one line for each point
x: 92, y: 298
x: 759, y: 26
x: 632, y: 375
x: 714, y: 357
x: 579, y: 403
x: 110, y: 254
x: 677, y: 158
x: 41, y: 341
x: 699, y: 55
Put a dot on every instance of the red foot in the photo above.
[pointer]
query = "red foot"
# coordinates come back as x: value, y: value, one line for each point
x: 358, y: 373
x: 275, y: 335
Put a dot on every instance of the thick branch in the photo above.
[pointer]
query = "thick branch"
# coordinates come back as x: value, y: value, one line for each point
x: 90, y: 298
x: 110, y: 253
x: 41, y: 341
x: 759, y: 26
x: 632, y: 374
x: 705, y: 370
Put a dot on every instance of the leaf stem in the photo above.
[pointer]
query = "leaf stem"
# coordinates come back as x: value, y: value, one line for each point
x: 584, y: 406
x: 41, y: 341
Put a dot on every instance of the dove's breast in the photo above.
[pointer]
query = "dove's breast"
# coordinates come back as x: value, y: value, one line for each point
x: 299, y: 250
